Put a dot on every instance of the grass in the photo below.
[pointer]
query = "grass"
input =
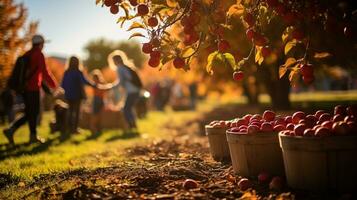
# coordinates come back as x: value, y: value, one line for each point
x: 28, y: 161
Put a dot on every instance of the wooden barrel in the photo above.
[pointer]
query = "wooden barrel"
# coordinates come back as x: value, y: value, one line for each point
x: 218, y: 143
x: 255, y: 153
x: 320, y: 164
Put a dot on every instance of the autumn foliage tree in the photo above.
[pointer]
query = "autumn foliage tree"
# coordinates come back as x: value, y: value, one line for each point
x: 14, y: 35
x: 98, y: 50
x: 282, y: 40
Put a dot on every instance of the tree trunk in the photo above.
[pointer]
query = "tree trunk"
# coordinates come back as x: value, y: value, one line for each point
x: 250, y: 89
x: 277, y: 89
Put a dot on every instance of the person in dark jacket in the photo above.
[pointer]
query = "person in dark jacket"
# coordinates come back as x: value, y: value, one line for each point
x: 39, y: 70
x: 73, y: 83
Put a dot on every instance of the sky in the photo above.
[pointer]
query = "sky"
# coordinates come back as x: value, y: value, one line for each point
x: 70, y: 24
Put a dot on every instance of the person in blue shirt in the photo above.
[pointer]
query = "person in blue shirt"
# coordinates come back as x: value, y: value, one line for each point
x: 119, y: 62
x: 73, y: 83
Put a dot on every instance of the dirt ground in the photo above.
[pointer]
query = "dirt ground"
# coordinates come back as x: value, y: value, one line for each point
x: 158, y: 170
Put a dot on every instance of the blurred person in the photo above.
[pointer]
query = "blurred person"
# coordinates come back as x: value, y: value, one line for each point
x: 98, y: 101
x: 7, y: 98
x: 193, y: 94
x: 73, y: 83
x: 155, y: 93
x: 177, y: 93
x: 37, y: 71
x: 129, y: 81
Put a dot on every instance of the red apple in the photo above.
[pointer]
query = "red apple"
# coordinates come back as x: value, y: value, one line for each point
x: 337, y: 118
x: 243, y: 126
x: 190, y: 184
x: 276, y: 183
x: 324, y: 117
x: 310, y: 120
x: 288, y: 119
x: 242, y: 122
x: 259, y: 124
x: 280, y: 121
x: 279, y: 127
x: 317, y: 126
x: 247, y: 117
x: 252, y: 129
x: 290, y: 126
x: 309, y: 132
x: 263, y: 177
x: 266, y: 127
x: 269, y: 115
x: 349, y: 118
x: 299, y: 129
x: 327, y: 124
x: 352, y: 126
x: 319, y: 113
x: 302, y: 121
x: 256, y: 116
x: 340, y: 128
x: 322, y: 132
x: 244, y: 184
x: 297, y: 116
x: 339, y: 110
x: 228, y: 123
x: 234, y: 129
x: 352, y: 110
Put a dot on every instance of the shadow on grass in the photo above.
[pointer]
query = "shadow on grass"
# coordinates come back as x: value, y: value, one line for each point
x: 124, y: 136
x: 24, y: 149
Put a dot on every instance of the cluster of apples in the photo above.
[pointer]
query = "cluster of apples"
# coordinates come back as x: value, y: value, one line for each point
x: 251, y: 124
x: 321, y: 124
x: 220, y: 124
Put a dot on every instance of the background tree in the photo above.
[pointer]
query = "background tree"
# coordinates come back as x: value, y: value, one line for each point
x: 14, y: 35
x: 98, y: 50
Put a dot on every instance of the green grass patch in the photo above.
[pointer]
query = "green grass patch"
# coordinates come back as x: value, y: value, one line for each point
x: 28, y: 161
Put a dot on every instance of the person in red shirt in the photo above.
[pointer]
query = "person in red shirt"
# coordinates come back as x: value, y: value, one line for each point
x: 39, y: 72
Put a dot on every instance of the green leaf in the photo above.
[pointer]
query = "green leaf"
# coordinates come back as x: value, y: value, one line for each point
x: 258, y: 56
x: 289, y: 46
x: 210, y: 60
x: 230, y: 59
x: 136, y: 25
x: 136, y: 35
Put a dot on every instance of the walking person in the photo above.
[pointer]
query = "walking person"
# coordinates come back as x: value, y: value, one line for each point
x: 73, y: 83
x: 129, y: 81
x: 97, y: 104
x: 36, y: 72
